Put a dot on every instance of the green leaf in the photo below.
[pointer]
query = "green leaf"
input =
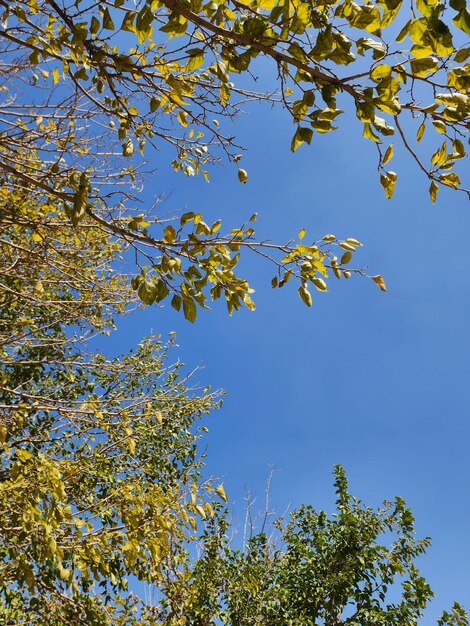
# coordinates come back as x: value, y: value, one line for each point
x: 189, y: 309
x: 462, y: 55
x: 377, y: 47
x: 147, y: 292
x: 108, y: 23
x: 440, y: 126
x: 423, y: 67
x: 176, y: 302
x: 128, y: 21
x: 94, y: 25
x: 462, y: 21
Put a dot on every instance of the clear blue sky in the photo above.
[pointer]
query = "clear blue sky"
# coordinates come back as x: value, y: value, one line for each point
x: 376, y: 382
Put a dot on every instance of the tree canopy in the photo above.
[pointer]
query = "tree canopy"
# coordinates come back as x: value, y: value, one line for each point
x: 101, y: 483
x: 87, y: 86
x: 99, y: 469
x: 162, y: 69
x: 311, y: 569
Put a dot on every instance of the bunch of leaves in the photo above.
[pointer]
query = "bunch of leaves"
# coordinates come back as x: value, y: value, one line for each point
x: 181, y: 259
x: 197, y: 264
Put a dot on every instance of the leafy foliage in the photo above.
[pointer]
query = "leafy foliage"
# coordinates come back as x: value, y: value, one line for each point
x: 99, y: 471
x: 355, y: 567
x: 96, y: 484
x: 129, y: 66
x: 106, y: 82
x: 100, y: 475
x: 182, y: 259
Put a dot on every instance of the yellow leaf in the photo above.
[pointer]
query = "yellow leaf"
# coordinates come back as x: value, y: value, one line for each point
x: 380, y: 72
x: 420, y: 133
x: 220, y: 491
x: 353, y: 242
x: 305, y: 296
x: 201, y: 511
x: 388, y: 154
x: 209, y: 509
x: 267, y: 4
x: 347, y: 246
x: 319, y: 284
x: 242, y: 176
x: 433, y: 189
x: 378, y: 280
x: 128, y: 148
x: 182, y: 118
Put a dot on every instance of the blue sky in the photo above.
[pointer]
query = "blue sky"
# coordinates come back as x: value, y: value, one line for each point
x: 376, y: 382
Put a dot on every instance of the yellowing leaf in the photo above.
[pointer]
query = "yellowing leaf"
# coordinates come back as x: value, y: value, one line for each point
x: 201, y: 511
x: 319, y: 284
x: 220, y: 491
x: 189, y: 309
x: 183, y: 118
x: 423, y: 67
x: 242, y: 176
x: 128, y: 148
x: 305, y: 295
x: 388, y: 154
x: 378, y: 280
x: 420, y: 132
x: 107, y: 20
x: 209, y: 509
x: 380, y: 72
x: 388, y: 181
x: 440, y: 156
